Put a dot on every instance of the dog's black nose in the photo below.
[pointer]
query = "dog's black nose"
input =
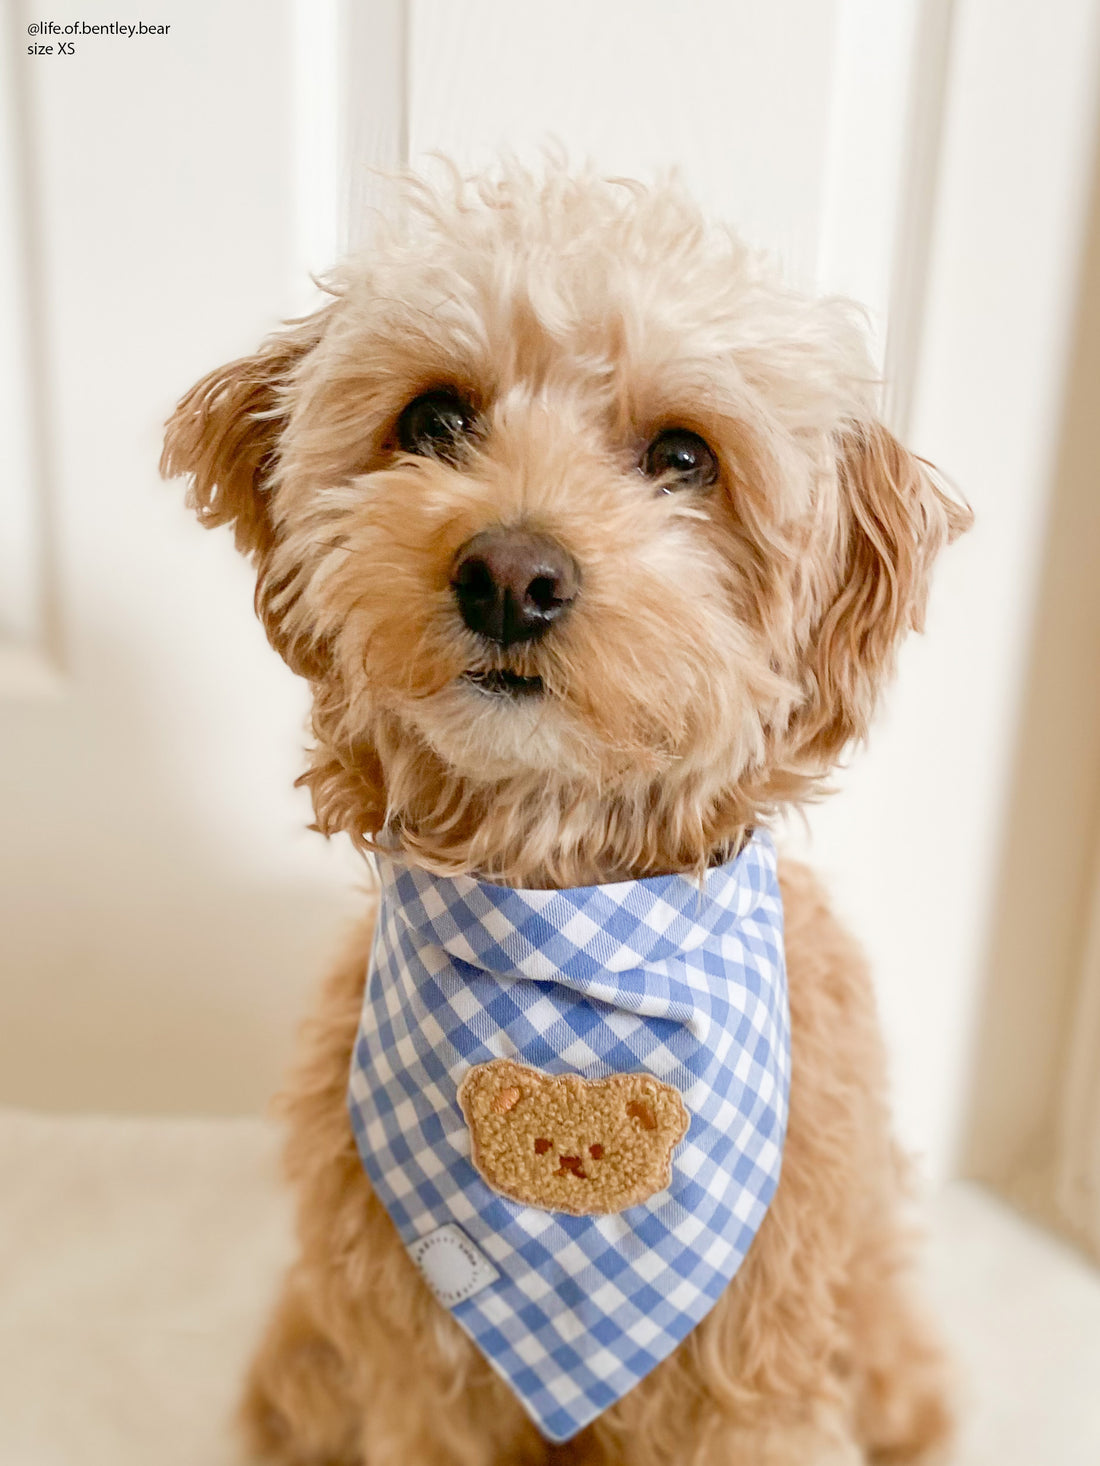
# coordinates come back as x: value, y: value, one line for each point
x: 512, y: 584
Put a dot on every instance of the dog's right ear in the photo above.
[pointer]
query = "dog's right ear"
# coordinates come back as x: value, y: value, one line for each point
x: 225, y: 435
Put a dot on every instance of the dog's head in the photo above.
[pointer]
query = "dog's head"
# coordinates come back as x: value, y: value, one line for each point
x: 579, y: 523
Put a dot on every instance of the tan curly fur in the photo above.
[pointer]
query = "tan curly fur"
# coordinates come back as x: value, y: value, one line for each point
x: 724, y: 649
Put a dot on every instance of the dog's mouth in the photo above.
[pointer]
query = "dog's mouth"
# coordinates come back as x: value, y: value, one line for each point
x: 505, y: 684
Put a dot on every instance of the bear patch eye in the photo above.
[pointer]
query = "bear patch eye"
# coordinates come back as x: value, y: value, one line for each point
x: 542, y: 1146
x: 680, y: 460
x: 435, y: 425
x: 596, y: 1152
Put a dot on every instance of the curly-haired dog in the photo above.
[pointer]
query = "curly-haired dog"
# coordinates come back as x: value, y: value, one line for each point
x: 585, y: 535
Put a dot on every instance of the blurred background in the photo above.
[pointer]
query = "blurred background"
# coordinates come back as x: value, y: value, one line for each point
x: 163, y: 198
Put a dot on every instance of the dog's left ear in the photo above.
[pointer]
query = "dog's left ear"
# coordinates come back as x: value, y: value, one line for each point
x: 893, y: 521
x: 225, y: 435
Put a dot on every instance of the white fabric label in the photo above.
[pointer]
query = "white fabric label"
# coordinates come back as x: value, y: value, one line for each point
x: 453, y: 1267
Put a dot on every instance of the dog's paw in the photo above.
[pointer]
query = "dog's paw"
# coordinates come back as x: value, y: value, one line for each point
x: 569, y: 1144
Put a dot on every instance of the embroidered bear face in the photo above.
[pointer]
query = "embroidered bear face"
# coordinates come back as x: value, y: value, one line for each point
x: 569, y: 1144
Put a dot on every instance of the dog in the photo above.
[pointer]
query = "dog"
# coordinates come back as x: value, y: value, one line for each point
x: 583, y: 529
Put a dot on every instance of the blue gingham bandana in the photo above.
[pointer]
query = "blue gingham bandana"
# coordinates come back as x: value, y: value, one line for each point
x: 664, y: 977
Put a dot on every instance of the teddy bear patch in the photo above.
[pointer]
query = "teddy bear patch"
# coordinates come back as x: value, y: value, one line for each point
x: 564, y: 1143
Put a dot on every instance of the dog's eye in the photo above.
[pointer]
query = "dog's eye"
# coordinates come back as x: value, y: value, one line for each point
x: 434, y: 425
x: 681, y: 460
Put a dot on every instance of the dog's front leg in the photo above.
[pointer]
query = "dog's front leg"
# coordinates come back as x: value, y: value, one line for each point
x: 818, y: 1444
x: 711, y: 1438
x: 360, y: 1366
x: 410, y: 1391
x: 299, y: 1406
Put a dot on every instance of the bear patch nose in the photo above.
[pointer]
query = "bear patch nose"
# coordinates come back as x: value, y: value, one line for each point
x: 571, y: 1166
x: 511, y: 585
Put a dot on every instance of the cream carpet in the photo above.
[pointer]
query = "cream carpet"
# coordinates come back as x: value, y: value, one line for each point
x: 137, y: 1258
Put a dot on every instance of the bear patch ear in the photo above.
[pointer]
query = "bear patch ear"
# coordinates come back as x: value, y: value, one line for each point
x: 893, y: 520
x: 506, y: 1099
x: 224, y: 434
x: 643, y: 1112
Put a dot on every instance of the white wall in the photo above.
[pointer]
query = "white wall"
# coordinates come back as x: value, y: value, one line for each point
x: 912, y: 841
x: 1021, y: 131
x: 162, y: 906
x: 162, y: 909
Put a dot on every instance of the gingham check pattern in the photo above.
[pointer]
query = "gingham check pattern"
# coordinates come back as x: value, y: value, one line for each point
x: 659, y: 976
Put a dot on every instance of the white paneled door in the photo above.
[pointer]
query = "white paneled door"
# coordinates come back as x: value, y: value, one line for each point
x: 162, y: 905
